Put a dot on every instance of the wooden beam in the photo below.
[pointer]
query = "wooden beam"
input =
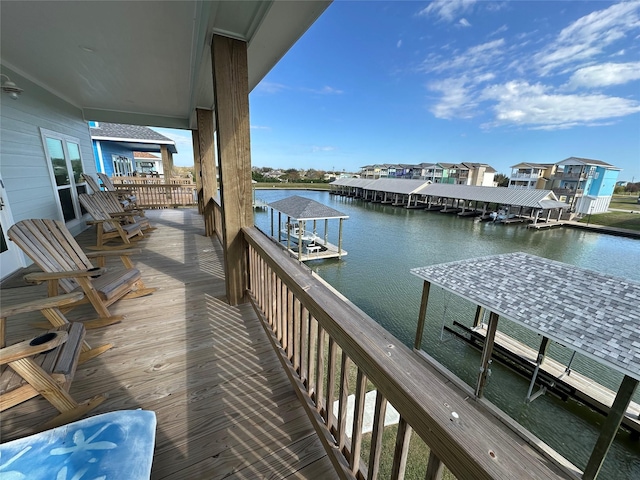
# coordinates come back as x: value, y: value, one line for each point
x: 206, y: 148
x: 486, y: 354
x: 610, y: 427
x: 167, y: 162
x: 197, y: 165
x: 231, y: 93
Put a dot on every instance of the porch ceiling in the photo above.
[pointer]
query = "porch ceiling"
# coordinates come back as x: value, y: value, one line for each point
x: 143, y: 62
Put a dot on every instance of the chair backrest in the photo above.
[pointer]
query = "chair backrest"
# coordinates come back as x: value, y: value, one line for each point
x: 109, y: 202
x: 92, y: 182
x: 96, y: 209
x: 51, y: 246
x: 106, y: 182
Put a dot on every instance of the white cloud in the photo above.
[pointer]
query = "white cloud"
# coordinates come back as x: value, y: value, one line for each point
x: 520, y: 103
x: 456, y: 101
x: 447, y: 9
x: 399, y: 44
x: 588, y: 36
x: 271, y: 87
x: 259, y: 127
x: 464, y: 22
x: 604, y: 75
x: 478, y: 55
x: 326, y: 90
x: 317, y: 148
x: 498, y: 31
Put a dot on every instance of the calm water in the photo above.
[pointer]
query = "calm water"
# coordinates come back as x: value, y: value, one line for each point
x: 385, y: 242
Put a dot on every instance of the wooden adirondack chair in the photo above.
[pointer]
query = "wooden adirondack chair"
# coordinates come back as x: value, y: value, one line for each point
x: 109, y: 203
x: 109, y: 227
x: 110, y: 187
x: 50, y: 308
x: 66, y: 267
x: 95, y: 188
x: 45, y: 366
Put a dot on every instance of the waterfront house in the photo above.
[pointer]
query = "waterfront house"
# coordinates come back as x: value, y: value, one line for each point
x: 587, y: 185
x: 230, y: 305
x: 114, y: 146
x: 531, y: 175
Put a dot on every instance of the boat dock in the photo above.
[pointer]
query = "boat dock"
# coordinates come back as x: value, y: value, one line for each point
x: 553, y: 376
x: 505, y: 205
x: 593, y: 314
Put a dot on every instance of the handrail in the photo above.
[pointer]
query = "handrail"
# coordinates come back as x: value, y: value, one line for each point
x: 310, y: 322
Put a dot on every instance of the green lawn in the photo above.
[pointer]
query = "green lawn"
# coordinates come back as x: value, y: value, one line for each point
x: 626, y: 220
x: 625, y: 202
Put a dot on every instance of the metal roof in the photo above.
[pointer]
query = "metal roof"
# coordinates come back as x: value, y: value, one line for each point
x: 592, y: 313
x: 301, y: 208
x: 519, y: 197
x: 396, y: 185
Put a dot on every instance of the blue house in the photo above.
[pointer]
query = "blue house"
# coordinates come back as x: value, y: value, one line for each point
x: 114, y: 146
x: 587, y: 185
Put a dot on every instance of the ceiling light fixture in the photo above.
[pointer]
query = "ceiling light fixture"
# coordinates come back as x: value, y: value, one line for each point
x: 9, y: 87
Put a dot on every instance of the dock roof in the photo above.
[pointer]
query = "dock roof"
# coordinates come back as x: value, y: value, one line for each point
x: 592, y: 313
x: 520, y: 197
x: 301, y: 208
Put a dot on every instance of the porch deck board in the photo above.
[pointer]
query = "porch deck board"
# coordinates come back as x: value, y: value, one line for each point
x: 225, y: 407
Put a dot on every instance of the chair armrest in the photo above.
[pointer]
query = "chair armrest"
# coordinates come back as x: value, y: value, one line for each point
x: 122, y: 214
x: 39, y: 277
x: 113, y: 253
x: 40, y: 304
x: 26, y: 349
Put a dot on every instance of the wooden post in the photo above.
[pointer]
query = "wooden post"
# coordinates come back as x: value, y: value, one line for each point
x: 326, y: 231
x: 422, y: 315
x: 486, y: 354
x: 231, y: 94
x: 542, y: 352
x: 272, y: 227
x: 206, y: 148
x: 610, y: 427
x: 435, y: 468
x: 340, y: 239
x: 300, y: 231
x: 195, y: 141
x: 167, y: 163
x: 478, y: 318
x: 288, y: 232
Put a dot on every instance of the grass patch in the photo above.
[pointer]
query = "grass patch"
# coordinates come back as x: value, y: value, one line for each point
x: 630, y: 221
x: 625, y: 202
x: 416, y: 460
x: 292, y: 186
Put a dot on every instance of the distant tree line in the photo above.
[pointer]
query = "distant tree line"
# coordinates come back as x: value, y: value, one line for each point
x: 628, y: 188
x: 290, y: 175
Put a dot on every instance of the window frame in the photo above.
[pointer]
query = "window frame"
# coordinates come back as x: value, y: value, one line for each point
x: 73, y: 185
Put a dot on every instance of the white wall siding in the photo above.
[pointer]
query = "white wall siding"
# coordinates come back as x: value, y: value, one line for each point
x: 23, y: 165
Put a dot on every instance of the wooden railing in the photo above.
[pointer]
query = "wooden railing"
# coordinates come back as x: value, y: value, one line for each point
x: 161, y: 195
x: 330, y: 350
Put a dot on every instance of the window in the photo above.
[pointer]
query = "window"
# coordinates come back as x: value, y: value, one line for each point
x: 122, y: 166
x: 65, y: 167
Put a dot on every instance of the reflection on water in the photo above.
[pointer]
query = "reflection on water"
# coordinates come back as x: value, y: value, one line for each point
x: 385, y: 242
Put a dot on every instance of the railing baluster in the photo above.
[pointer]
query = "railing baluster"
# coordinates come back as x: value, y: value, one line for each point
x: 289, y: 321
x: 311, y: 359
x: 320, y: 373
x: 376, y: 436
x: 342, y: 405
x: 358, y: 413
x: 304, y: 345
x: 435, y: 468
x: 280, y: 336
x: 331, y: 381
x: 403, y: 439
x: 297, y: 309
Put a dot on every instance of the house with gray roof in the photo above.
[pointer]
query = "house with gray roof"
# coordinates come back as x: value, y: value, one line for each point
x: 114, y: 146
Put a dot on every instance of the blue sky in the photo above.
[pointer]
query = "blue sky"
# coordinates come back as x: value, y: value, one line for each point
x: 461, y: 80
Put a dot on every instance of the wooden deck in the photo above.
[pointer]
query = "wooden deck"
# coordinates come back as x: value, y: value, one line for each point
x: 224, y: 405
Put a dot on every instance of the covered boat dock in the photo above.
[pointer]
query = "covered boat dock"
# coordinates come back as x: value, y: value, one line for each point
x: 593, y: 314
x: 300, y: 241
x: 505, y: 205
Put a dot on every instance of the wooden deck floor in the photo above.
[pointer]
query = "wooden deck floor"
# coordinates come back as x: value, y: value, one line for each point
x: 225, y: 408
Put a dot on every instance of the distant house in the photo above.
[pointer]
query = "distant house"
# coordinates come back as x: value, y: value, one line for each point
x: 587, y: 185
x: 466, y: 173
x: 146, y: 163
x: 114, y: 146
x: 531, y: 175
